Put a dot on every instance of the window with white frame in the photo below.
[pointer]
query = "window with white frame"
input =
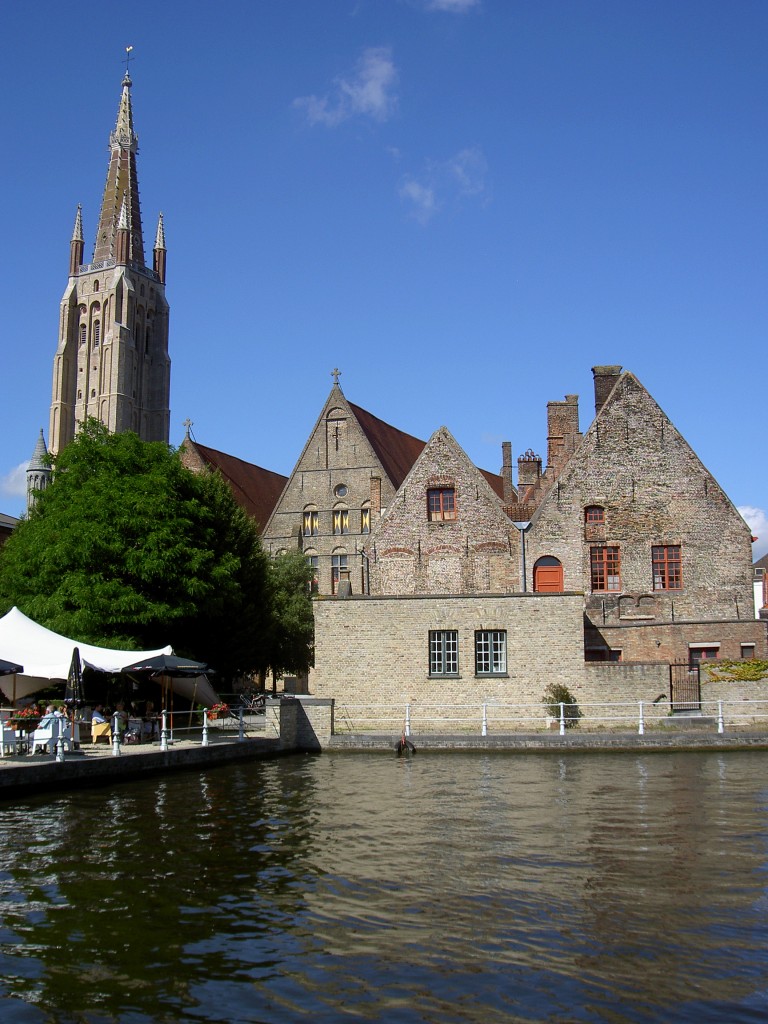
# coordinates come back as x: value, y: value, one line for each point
x: 443, y: 652
x: 491, y: 652
x: 339, y: 567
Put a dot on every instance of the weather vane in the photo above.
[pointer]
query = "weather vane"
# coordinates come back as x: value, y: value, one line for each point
x: 128, y: 57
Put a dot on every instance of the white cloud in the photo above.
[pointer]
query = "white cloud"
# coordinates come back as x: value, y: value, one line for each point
x: 443, y: 182
x: 757, y: 520
x: 422, y: 197
x: 13, y: 486
x: 453, y: 6
x: 368, y: 92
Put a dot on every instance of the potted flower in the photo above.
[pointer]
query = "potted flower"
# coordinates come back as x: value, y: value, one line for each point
x: 220, y: 710
x: 27, y: 719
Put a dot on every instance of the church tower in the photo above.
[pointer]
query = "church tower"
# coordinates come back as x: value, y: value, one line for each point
x: 112, y: 358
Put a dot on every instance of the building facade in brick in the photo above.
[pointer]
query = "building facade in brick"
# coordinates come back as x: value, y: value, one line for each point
x: 112, y: 360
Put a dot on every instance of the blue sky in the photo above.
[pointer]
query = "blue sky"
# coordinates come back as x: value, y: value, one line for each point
x: 462, y: 204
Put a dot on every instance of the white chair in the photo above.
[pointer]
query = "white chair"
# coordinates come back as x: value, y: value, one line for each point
x: 52, y: 728
x: 8, y: 739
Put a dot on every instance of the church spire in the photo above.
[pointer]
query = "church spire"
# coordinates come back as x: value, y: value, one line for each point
x: 158, y: 253
x: 76, y: 245
x: 122, y: 184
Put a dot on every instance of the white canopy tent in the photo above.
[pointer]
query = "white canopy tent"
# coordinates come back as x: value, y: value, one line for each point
x: 46, y: 655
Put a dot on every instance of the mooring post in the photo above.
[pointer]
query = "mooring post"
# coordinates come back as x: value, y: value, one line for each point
x: 720, y: 723
x: 562, y: 718
x: 164, y: 732
x: 205, y: 728
x: 116, y: 735
x: 407, y: 719
x: 241, y: 732
x: 485, y: 719
x: 641, y: 727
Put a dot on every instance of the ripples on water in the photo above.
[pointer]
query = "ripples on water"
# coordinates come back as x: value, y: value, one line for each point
x: 445, y: 887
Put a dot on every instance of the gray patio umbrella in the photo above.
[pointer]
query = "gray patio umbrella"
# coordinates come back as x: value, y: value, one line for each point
x: 9, y: 668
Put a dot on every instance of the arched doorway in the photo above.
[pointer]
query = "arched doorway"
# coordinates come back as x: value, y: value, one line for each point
x: 548, y: 575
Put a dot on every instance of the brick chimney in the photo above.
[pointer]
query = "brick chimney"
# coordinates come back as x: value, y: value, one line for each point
x: 528, y: 470
x: 562, y: 431
x: 605, y: 378
x: 510, y: 494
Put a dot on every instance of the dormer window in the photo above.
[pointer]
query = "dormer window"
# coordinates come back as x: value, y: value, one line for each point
x: 441, y: 504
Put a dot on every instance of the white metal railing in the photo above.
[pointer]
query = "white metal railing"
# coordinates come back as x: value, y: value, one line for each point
x: 493, y: 716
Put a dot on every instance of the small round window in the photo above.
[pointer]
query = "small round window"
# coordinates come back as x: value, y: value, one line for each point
x: 340, y: 490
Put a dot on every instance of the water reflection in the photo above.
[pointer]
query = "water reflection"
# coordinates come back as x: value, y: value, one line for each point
x: 438, y: 888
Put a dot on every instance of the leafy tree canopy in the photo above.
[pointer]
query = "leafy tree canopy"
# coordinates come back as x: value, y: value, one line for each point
x: 292, y: 633
x: 128, y: 548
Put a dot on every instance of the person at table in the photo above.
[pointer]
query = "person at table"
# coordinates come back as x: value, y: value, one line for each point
x: 97, y: 715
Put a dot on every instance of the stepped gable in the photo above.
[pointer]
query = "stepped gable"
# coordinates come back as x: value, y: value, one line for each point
x: 256, y: 490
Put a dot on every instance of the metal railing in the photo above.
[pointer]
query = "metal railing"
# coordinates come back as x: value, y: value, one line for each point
x: 496, y: 717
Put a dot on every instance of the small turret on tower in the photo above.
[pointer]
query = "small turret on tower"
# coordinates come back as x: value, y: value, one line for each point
x: 76, y: 245
x: 159, y: 251
x: 39, y: 472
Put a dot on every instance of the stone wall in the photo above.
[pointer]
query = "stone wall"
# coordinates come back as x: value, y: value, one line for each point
x: 375, y: 650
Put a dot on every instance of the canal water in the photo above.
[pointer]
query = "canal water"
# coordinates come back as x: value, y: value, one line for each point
x: 359, y: 887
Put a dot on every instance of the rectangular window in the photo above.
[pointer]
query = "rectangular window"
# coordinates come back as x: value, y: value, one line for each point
x: 702, y: 652
x: 338, y: 566
x: 340, y: 521
x: 667, y: 567
x: 594, y: 514
x: 314, y: 562
x: 310, y: 524
x: 443, y: 652
x: 747, y: 650
x: 491, y: 652
x: 441, y: 504
x: 365, y: 520
x: 605, y: 565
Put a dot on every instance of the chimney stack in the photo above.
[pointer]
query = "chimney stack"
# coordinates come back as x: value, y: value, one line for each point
x: 605, y: 378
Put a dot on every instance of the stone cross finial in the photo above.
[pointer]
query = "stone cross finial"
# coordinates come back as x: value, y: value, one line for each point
x: 336, y: 373
x: 187, y: 424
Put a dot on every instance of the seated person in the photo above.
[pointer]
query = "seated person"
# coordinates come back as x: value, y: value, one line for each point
x: 97, y: 716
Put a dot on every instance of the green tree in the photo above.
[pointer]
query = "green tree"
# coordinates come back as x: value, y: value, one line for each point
x: 127, y: 547
x: 292, y: 625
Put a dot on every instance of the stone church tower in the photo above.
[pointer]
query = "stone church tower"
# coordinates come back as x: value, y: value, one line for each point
x: 112, y: 357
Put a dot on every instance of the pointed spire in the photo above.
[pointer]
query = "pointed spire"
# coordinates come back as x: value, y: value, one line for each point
x: 77, y: 233
x: 76, y: 245
x: 159, y: 253
x: 124, y: 137
x: 122, y: 185
x: 39, y: 458
x: 160, y: 236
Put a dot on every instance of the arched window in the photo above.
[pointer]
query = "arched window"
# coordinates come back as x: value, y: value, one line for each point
x: 594, y: 514
x: 311, y: 526
x: 340, y: 520
x: 339, y: 568
x: 83, y: 334
x: 365, y: 517
x: 96, y: 285
x: 548, y: 575
x: 96, y: 333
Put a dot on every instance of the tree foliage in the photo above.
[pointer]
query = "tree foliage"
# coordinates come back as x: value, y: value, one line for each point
x: 292, y: 625
x: 127, y: 547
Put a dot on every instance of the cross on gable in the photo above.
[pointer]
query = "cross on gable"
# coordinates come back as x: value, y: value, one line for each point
x: 336, y: 373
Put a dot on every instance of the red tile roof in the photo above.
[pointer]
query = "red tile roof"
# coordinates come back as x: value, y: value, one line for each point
x: 255, y: 489
x: 396, y: 450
